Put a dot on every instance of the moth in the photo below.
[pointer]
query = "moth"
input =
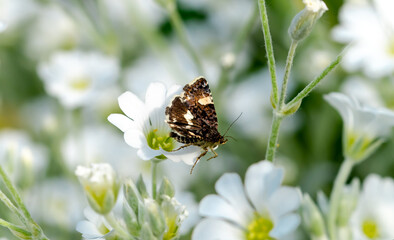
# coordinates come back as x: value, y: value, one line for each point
x: 192, y: 119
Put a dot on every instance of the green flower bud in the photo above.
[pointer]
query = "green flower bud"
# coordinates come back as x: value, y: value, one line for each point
x: 142, y: 187
x: 146, y: 233
x: 348, y: 202
x: 313, y: 218
x: 302, y: 24
x: 166, y: 188
x: 133, y: 227
x: 155, y: 217
x: 132, y: 196
x: 101, y: 186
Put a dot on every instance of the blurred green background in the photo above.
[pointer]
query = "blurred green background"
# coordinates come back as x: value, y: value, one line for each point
x: 310, y: 146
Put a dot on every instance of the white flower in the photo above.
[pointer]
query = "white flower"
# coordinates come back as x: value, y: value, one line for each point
x: 316, y: 6
x: 369, y: 27
x: 145, y: 128
x: 101, y: 186
x: 262, y: 209
x: 374, y: 214
x: 21, y: 157
x: 15, y: 13
x: 52, y: 30
x: 364, y: 126
x: 3, y: 26
x: 62, y: 200
x: 96, y: 227
x: 77, y: 78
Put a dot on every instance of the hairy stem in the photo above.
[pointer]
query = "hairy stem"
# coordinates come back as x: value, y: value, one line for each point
x: 289, y: 64
x: 268, y: 48
x: 273, y: 138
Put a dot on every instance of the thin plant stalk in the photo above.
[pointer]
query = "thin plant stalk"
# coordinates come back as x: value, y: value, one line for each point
x: 177, y: 23
x: 339, y: 183
x: 269, y: 49
x: 154, y: 178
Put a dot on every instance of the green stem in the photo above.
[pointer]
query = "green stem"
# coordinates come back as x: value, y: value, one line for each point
x: 32, y: 225
x: 289, y: 64
x: 316, y: 81
x: 268, y: 48
x: 15, y: 229
x: 12, y: 207
x: 335, y: 198
x: 180, y: 30
x: 154, y: 178
x: 117, y: 227
x: 273, y: 138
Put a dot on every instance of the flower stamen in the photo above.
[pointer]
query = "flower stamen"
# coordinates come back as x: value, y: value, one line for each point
x: 370, y: 229
x: 259, y: 229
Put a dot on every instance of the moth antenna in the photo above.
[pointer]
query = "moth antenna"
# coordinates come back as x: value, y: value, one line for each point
x: 232, y: 124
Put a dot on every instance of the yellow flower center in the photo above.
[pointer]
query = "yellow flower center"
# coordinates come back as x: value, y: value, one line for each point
x: 370, y: 229
x: 259, y: 229
x: 157, y: 140
x: 80, y: 84
x: 390, y: 47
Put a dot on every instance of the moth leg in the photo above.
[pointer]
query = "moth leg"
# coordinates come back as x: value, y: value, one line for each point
x: 199, y: 157
x: 183, y: 146
x: 214, y: 156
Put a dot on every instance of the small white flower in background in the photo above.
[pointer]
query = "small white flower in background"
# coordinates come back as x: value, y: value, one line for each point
x: 60, y: 31
x: 316, y: 6
x: 145, y: 128
x: 23, y: 159
x: 369, y: 27
x: 261, y: 209
x: 3, y: 26
x: 374, y: 214
x: 97, y: 143
x: 62, y: 200
x: 95, y: 227
x: 77, y: 78
x: 101, y: 186
x: 364, y: 126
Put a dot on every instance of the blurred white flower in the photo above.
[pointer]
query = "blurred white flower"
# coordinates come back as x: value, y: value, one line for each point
x: 100, y: 184
x: 56, y: 202
x: 373, y: 217
x: 369, y: 27
x: 16, y: 12
x: 145, y: 128
x: 363, y: 90
x: 316, y: 6
x: 52, y: 30
x: 77, y: 78
x: 95, y: 227
x: 3, y: 26
x: 27, y: 160
x: 95, y: 144
x: 364, y: 126
x: 262, y: 209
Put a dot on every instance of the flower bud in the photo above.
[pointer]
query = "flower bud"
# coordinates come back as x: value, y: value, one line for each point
x: 132, y: 196
x: 101, y: 186
x: 155, y: 217
x: 313, y: 218
x: 166, y: 188
x: 142, y: 187
x: 348, y: 202
x: 302, y: 24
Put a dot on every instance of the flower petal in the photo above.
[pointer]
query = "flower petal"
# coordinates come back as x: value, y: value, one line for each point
x: 214, y: 229
x: 261, y: 180
x: 134, y: 138
x: 132, y: 106
x: 88, y: 230
x: 285, y: 225
x: 155, y: 96
x: 283, y: 201
x: 187, y: 155
x: 147, y: 153
x: 121, y: 121
x: 230, y: 187
x: 217, y: 207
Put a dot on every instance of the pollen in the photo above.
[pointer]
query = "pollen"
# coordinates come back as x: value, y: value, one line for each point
x: 370, y: 229
x: 157, y: 140
x: 80, y: 84
x: 259, y: 228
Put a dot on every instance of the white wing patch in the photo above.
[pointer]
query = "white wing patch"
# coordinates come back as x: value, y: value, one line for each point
x: 188, y: 116
x: 205, y: 101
